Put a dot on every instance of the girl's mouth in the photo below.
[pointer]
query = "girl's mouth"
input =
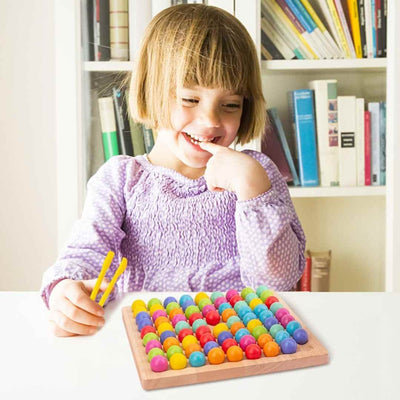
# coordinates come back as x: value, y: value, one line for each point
x: 196, y: 140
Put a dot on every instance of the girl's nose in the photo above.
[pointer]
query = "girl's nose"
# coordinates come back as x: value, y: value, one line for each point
x: 210, y: 118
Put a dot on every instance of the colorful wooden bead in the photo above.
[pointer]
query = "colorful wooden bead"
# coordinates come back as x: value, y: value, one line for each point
x: 253, y: 351
x: 159, y: 363
x: 271, y: 349
x: 178, y: 361
x: 197, y: 359
x: 288, y: 346
x: 234, y: 353
x: 231, y: 293
x: 216, y: 356
x: 212, y: 318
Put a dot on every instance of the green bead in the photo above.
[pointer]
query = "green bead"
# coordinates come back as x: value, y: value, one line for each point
x: 204, y: 302
x: 173, y: 350
x: 232, y: 320
x: 250, y: 297
x: 265, y: 294
x: 149, y: 336
x: 191, y: 310
x: 246, y: 291
x: 260, y: 289
x: 238, y: 305
x: 171, y: 306
x: 275, y: 329
x: 197, y: 323
x: 154, y: 352
x: 275, y: 307
x: 153, y: 301
x: 181, y: 325
x: 258, y: 331
x: 215, y: 296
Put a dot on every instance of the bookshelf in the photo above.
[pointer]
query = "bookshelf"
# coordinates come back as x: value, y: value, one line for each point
x: 360, y: 224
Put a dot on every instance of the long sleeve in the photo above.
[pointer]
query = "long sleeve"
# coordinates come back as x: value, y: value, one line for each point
x: 270, y: 239
x: 97, y: 231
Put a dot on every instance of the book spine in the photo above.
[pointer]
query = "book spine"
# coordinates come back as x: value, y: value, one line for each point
x: 305, y: 280
x: 367, y: 141
x: 373, y: 27
x: 373, y: 108
x: 368, y: 28
x: 104, y: 31
x: 148, y: 139
x: 119, y: 30
x: 345, y: 27
x: 384, y: 27
x: 338, y: 25
x: 320, y: 270
x: 87, y: 31
x: 139, y: 17
x: 355, y: 26
x: 361, y: 18
x: 108, y: 127
x: 360, y: 141
x: 382, y: 142
x: 379, y: 28
x: 96, y: 28
x: 270, y: 47
x: 301, y: 104
x: 325, y: 93
x: 273, y: 112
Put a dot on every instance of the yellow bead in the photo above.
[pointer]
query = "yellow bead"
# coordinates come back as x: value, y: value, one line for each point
x: 252, y: 324
x: 219, y: 328
x: 200, y: 296
x: 255, y: 302
x: 138, y: 302
x: 138, y: 309
x: 165, y: 326
x: 154, y: 308
x: 178, y: 361
x: 188, y: 339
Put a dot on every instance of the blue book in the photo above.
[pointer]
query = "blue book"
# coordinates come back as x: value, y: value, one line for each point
x: 373, y: 24
x: 382, y: 142
x: 273, y: 114
x: 301, y: 106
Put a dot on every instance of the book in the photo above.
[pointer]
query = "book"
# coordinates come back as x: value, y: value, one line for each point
x: 108, y: 127
x: 274, y: 117
x: 320, y: 270
x: 367, y: 147
x: 136, y: 131
x: 119, y: 30
x: 373, y: 108
x: 87, y: 10
x: 380, y: 39
x: 355, y: 26
x: 325, y: 93
x: 345, y: 27
x: 384, y: 27
x: 361, y: 20
x: 148, y: 139
x: 305, y: 280
x: 301, y: 106
x: 140, y: 16
x: 373, y: 27
x: 347, y: 140
x: 104, y: 30
x: 360, y: 141
x: 121, y: 117
x: 382, y: 141
x: 272, y: 147
x: 269, y: 47
x: 368, y: 28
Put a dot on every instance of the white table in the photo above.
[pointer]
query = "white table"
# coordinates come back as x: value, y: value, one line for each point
x: 361, y: 332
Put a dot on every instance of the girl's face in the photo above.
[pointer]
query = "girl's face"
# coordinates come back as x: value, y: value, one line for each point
x: 201, y: 114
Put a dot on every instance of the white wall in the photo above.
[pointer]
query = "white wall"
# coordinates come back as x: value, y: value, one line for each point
x: 28, y: 233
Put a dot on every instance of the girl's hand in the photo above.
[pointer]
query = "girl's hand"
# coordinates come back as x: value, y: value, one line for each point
x: 72, y: 312
x: 234, y: 171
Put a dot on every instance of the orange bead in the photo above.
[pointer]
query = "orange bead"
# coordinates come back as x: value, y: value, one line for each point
x: 191, y: 348
x: 271, y: 349
x: 160, y: 320
x: 170, y: 341
x: 229, y: 312
x: 216, y: 356
x: 264, y: 338
x: 236, y: 326
x: 175, y: 311
x: 234, y: 353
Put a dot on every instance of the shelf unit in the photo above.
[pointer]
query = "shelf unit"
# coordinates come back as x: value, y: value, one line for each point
x: 379, y: 204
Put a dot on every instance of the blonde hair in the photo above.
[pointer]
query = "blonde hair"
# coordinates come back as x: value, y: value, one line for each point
x: 196, y: 45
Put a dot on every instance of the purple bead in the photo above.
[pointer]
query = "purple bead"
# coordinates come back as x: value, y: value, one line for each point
x: 246, y: 340
x: 281, y: 312
x: 166, y: 334
x: 208, y: 346
x: 288, y: 346
x: 300, y: 336
x: 219, y: 301
x: 141, y: 324
x: 269, y: 322
x: 223, y: 336
x: 168, y: 300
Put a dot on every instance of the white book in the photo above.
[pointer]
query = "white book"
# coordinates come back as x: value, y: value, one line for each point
x: 139, y: 17
x: 347, y: 142
x: 360, y: 141
x: 368, y: 28
x: 326, y: 115
x: 373, y: 108
x: 227, y: 5
x: 159, y: 5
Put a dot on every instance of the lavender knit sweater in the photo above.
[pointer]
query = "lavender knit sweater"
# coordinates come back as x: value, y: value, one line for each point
x: 179, y: 236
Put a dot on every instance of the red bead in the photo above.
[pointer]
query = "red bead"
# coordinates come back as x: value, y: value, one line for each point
x: 270, y: 300
x: 193, y: 317
x: 201, y: 330
x: 184, y: 332
x: 147, y: 329
x: 253, y: 351
x: 228, y: 343
x: 235, y: 299
x: 213, y: 318
x: 207, y: 337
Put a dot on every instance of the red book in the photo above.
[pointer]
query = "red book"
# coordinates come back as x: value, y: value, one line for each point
x: 367, y: 147
x: 305, y: 280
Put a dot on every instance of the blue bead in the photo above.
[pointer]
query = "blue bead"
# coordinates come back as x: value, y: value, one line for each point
x: 264, y: 315
x: 143, y: 323
x: 232, y: 320
x: 292, y: 326
x: 248, y: 317
x: 197, y: 323
x: 281, y: 335
x: 239, y: 304
x: 250, y: 297
x: 258, y: 309
x: 143, y: 315
x: 269, y: 322
x: 260, y: 289
x: 223, y: 307
x: 244, y: 310
x: 208, y: 346
x: 168, y: 300
x: 197, y: 359
x: 223, y: 336
x: 288, y: 346
x: 184, y: 298
x: 300, y: 336
x: 166, y: 334
x: 240, y: 333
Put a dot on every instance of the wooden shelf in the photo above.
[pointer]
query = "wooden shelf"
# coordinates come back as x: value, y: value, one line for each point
x: 365, y: 64
x: 338, y: 191
x: 108, y: 66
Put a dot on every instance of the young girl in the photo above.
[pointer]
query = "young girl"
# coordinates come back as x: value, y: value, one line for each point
x: 193, y: 214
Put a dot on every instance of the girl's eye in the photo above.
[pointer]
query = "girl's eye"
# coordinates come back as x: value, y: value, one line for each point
x: 190, y: 101
x: 232, y: 105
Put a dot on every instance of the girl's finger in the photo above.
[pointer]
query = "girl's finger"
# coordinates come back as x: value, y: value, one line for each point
x: 59, y: 332
x: 78, y: 295
x: 65, y: 323
x: 79, y: 315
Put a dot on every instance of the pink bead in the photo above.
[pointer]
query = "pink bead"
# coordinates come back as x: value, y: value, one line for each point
x: 230, y: 293
x: 151, y: 344
x: 286, y: 319
x: 159, y: 313
x: 177, y: 318
x: 281, y: 312
x: 159, y: 363
x: 207, y: 308
x: 219, y: 301
x: 246, y: 340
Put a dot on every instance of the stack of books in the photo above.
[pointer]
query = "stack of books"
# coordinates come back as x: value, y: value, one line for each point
x: 339, y: 140
x: 323, y: 29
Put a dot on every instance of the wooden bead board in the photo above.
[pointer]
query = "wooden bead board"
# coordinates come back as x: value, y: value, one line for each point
x: 310, y: 354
